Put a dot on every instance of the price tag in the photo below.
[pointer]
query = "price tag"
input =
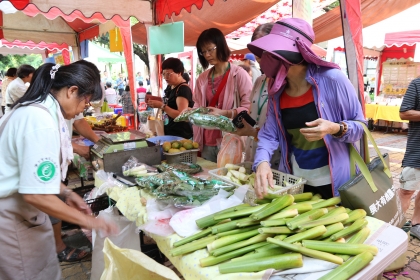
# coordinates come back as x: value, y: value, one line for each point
x: 129, y: 145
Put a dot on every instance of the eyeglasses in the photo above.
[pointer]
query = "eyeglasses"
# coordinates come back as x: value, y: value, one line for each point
x: 167, y: 74
x: 203, y: 53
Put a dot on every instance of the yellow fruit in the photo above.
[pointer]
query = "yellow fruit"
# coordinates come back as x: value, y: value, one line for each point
x: 182, y: 149
x: 183, y: 141
x: 172, y: 151
x: 188, y: 145
x: 195, y: 145
x: 176, y: 145
x: 166, y: 146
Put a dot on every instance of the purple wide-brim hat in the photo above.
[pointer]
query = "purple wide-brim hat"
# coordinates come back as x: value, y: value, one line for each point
x: 288, y: 36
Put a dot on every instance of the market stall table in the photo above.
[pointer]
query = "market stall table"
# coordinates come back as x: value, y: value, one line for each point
x: 388, y: 113
x: 391, y: 241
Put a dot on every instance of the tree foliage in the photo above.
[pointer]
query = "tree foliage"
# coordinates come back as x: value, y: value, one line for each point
x: 332, y: 6
x: 8, y: 61
x: 142, y: 52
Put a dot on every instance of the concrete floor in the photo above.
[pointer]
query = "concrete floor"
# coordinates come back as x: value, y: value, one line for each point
x: 392, y: 143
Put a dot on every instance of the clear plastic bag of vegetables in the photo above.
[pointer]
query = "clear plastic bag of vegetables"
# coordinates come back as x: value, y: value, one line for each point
x: 187, y: 167
x: 189, y: 111
x: 212, y: 122
x: 133, y: 167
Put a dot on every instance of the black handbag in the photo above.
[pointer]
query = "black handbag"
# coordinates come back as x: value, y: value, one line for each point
x: 372, y: 188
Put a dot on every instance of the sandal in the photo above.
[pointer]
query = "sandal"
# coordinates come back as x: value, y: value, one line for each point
x: 70, y: 254
x: 407, y: 226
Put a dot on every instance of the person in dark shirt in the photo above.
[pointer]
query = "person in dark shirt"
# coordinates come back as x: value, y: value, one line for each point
x: 126, y: 102
x: 178, y: 97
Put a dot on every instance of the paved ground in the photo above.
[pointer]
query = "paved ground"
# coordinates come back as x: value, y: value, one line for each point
x: 392, y: 143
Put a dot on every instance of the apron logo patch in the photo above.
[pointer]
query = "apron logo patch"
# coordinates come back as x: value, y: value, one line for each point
x: 46, y: 171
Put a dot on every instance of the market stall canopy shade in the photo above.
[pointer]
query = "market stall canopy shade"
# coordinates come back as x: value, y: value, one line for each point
x: 403, y: 37
x: 329, y: 26
x: 107, y: 9
x: 281, y: 10
x: 31, y: 24
x: 225, y: 15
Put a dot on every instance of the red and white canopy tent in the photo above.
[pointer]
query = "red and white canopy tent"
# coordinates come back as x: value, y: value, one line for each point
x: 29, y: 47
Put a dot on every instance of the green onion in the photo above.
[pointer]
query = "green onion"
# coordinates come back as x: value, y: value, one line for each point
x: 355, y: 215
x: 303, y: 196
x: 308, y: 234
x: 231, y: 247
x: 307, y: 252
x: 350, y: 268
x: 226, y: 240
x: 193, y: 246
x: 329, y: 202
x: 273, y: 207
x: 290, y: 213
x: 193, y: 237
x: 340, y: 248
x: 356, y: 226
x: 327, y: 221
x: 236, y: 231
x: 317, y: 213
x: 331, y: 229
x: 212, y: 260
x: 280, y: 262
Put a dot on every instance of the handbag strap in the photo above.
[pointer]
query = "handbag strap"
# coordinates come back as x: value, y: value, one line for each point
x: 357, y: 158
x: 219, y: 89
x: 378, y: 152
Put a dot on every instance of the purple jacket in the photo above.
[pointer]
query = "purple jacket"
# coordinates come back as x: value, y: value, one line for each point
x: 335, y: 100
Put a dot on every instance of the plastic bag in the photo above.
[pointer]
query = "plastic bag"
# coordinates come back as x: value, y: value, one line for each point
x: 187, y: 112
x: 108, y: 182
x: 128, y: 238
x: 212, y: 122
x: 134, y: 162
x: 121, y: 264
x: 230, y: 151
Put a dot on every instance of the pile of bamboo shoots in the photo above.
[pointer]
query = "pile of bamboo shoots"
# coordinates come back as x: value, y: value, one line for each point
x: 278, y: 231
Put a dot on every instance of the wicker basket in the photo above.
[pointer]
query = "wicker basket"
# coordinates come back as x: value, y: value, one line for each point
x: 279, y: 178
x: 189, y: 156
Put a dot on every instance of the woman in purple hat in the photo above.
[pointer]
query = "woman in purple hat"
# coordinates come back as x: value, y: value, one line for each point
x: 313, y: 112
x: 225, y: 88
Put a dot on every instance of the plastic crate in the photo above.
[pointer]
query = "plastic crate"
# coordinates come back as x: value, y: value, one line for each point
x: 189, y: 156
x: 280, y: 179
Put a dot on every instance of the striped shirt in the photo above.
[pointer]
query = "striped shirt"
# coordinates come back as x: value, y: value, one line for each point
x: 411, y: 101
x: 309, y: 158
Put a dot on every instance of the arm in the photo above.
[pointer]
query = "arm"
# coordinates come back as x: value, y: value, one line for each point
x: 343, y: 105
x: 84, y: 129
x: 52, y: 205
x: 408, y: 110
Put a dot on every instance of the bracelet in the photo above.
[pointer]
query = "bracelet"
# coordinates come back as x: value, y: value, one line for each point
x: 163, y: 107
x: 66, y: 193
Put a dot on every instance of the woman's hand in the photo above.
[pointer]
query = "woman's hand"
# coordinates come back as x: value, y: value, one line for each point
x: 263, y: 179
x: 154, y: 103
x: 318, y: 129
x: 105, y: 227
x: 75, y: 201
x: 82, y: 151
x: 247, y: 130
x: 216, y: 111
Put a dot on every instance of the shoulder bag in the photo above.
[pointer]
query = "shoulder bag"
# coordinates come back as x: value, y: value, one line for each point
x: 372, y: 189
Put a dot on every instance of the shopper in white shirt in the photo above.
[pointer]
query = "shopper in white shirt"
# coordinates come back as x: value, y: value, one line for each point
x: 36, y: 151
x: 8, y: 77
x: 17, y: 87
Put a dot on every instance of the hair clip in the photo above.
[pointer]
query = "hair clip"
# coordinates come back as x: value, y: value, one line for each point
x: 53, y: 70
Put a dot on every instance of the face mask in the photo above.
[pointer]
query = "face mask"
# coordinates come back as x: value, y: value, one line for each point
x: 276, y: 70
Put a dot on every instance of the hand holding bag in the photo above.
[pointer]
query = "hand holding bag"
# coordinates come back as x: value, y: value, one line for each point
x: 372, y: 189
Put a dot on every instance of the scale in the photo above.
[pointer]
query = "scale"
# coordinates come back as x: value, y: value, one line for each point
x: 113, y: 150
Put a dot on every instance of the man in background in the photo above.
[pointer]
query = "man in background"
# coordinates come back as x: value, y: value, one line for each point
x: 17, y: 87
x: 410, y: 175
x: 249, y: 60
x: 120, y: 84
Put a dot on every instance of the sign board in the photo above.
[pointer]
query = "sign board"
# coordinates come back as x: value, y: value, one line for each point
x: 166, y: 38
x: 397, y: 75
